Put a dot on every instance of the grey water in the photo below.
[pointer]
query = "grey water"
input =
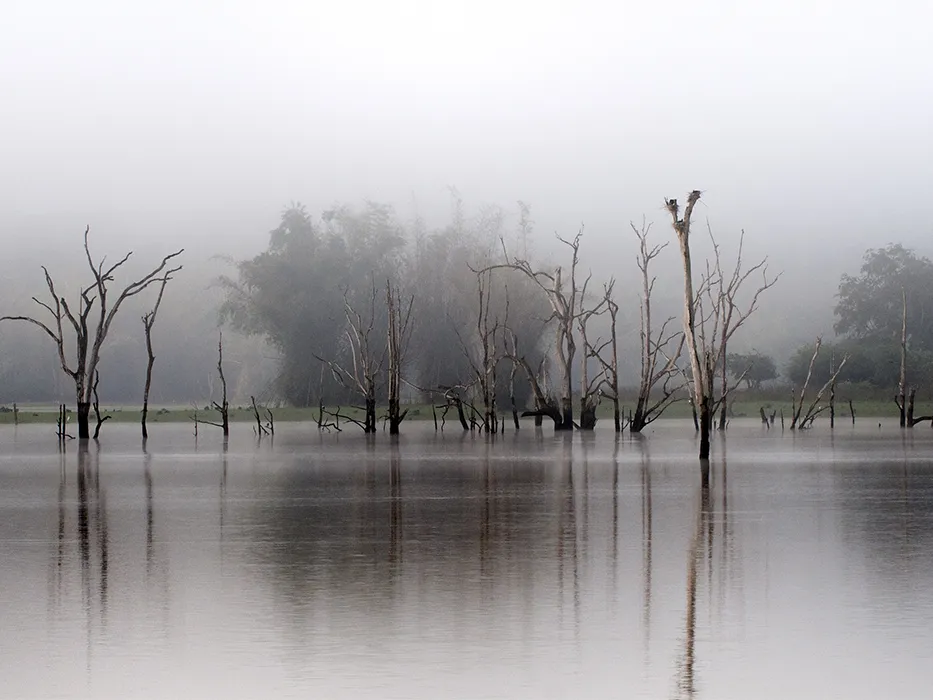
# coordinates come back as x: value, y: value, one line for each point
x: 447, y: 565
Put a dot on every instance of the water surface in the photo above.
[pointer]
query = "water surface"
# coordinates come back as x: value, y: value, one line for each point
x: 524, y: 566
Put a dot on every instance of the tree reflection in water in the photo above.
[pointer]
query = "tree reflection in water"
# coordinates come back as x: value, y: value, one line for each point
x: 700, y: 553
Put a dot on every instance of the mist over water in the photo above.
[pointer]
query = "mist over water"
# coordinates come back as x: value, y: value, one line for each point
x: 525, y: 565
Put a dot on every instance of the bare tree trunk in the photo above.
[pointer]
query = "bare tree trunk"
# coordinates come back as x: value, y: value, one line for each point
x: 399, y: 330
x: 84, y: 414
x: 223, y: 407
x: 902, y: 381
x: 370, y: 419
x: 512, y: 370
x: 148, y: 322
x: 699, y: 379
x: 706, y: 422
x: 724, y: 378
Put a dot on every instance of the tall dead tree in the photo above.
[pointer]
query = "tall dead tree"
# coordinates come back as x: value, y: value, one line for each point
x: 901, y: 399
x: 483, y: 354
x: 398, y: 335
x: 89, y: 333
x: 367, y: 360
x: 701, y: 378
x: 727, y: 316
x: 608, y: 380
x: 711, y: 317
x: 592, y: 383
x: 660, y: 351
x: 222, y: 408
x: 562, y: 295
x: 149, y: 320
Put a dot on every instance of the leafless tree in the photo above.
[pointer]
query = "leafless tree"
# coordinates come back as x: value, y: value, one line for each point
x: 727, y: 315
x: 367, y: 361
x: 660, y: 351
x: 545, y: 403
x: 562, y: 295
x: 223, y: 408
x: 483, y: 353
x: 900, y: 399
x: 701, y: 377
x: 608, y: 379
x: 149, y: 320
x: 89, y: 334
x: 711, y: 317
x: 267, y: 428
x: 800, y: 420
x: 399, y: 333
x: 593, y: 384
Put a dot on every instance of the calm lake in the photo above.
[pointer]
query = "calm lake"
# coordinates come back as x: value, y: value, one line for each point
x: 455, y: 566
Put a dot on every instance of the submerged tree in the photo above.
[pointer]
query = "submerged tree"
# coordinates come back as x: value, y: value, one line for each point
x: 592, y: 384
x: 711, y: 317
x: 484, y: 352
x: 660, y: 349
x: 701, y: 377
x: 149, y: 320
x: 398, y: 336
x: 802, y: 420
x: 367, y: 359
x: 607, y: 380
x: 563, y: 296
x: 89, y: 333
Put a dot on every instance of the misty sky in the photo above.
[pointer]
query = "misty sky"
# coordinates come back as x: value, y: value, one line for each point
x: 800, y: 119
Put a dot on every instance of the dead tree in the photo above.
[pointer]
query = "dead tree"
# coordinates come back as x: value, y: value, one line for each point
x: 659, y: 351
x: 592, y: 386
x: 800, y: 420
x: 727, y: 315
x: 399, y: 333
x: 900, y: 399
x: 609, y: 379
x: 545, y: 404
x: 483, y: 354
x: 149, y: 320
x: 711, y: 317
x: 223, y: 408
x: 261, y: 429
x: 562, y: 295
x: 701, y: 378
x: 89, y: 334
x: 367, y: 362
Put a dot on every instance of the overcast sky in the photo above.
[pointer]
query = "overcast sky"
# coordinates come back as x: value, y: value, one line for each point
x: 800, y: 119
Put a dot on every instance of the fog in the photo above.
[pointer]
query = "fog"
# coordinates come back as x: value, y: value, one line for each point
x: 807, y: 124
